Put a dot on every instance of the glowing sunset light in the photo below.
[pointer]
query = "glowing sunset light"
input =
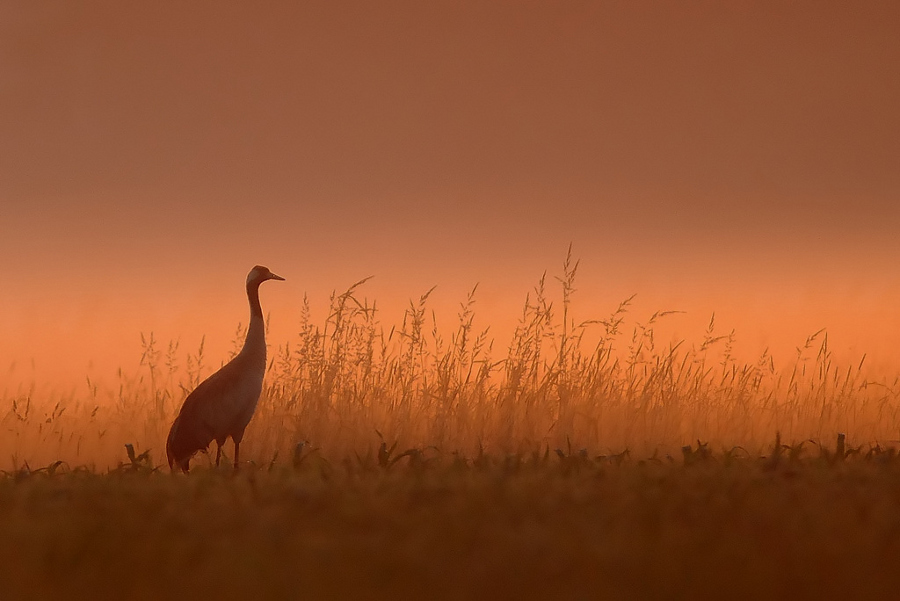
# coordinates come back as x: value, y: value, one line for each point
x: 717, y: 160
x: 575, y: 299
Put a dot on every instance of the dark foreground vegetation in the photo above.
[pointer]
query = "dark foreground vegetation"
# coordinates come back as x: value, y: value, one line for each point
x: 794, y: 522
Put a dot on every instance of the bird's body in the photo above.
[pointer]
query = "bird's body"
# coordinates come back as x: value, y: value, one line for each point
x: 223, y: 404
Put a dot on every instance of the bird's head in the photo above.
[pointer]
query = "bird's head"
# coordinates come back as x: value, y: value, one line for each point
x: 260, y: 274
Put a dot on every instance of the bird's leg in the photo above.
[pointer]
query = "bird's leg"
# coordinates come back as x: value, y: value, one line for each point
x: 237, y: 454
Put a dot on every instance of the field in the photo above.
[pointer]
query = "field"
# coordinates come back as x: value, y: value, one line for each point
x: 545, y: 527
x: 582, y: 461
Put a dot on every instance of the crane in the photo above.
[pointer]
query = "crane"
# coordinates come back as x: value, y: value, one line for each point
x: 223, y: 404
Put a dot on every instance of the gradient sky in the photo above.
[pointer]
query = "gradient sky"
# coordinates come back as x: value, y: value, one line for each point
x: 742, y: 157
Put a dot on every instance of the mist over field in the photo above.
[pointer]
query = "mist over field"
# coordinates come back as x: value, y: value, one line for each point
x: 606, y: 383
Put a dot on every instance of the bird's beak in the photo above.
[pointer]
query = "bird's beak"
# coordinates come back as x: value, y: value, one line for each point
x: 272, y: 276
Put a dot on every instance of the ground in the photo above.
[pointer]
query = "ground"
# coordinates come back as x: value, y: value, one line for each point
x: 701, y: 526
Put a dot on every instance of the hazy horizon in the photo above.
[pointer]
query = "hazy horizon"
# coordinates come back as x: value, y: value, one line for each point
x: 737, y: 159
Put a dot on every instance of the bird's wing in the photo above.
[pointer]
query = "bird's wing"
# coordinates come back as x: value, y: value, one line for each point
x: 209, y: 406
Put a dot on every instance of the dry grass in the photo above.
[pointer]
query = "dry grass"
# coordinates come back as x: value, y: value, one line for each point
x: 602, y: 384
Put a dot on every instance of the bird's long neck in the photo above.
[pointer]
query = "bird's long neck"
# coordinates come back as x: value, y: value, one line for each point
x: 255, y: 344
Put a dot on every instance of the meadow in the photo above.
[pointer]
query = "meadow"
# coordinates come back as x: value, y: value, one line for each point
x: 525, y: 527
x: 582, y: 460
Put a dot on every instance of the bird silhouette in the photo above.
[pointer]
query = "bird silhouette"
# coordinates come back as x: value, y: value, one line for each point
x: 222, y: 405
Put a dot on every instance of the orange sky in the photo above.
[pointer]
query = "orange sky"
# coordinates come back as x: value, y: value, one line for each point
x: 736, y: 157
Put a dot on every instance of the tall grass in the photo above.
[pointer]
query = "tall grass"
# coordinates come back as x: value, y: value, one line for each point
x: 347, y: 382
